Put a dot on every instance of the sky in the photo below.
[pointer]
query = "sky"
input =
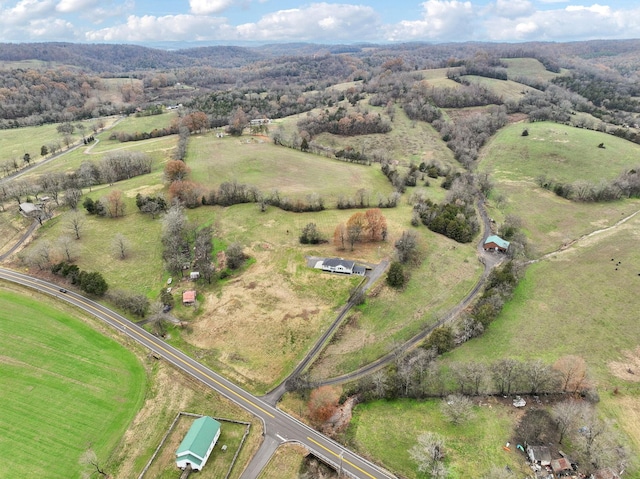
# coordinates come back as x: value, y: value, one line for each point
x: 234, y: 22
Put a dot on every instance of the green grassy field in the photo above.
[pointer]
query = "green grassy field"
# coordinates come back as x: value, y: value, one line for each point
x: 285, y: 463
x: 65, y: 388
x: 142, y: 271
x: 293, y: 173
x: 581, y: 304
x: 437, y: 77
x: 14, y: 143
x: 408, y: 141
x: 387, y: 430
x: 132, y: 124
x: 528, y: 68
x: 562, y: 153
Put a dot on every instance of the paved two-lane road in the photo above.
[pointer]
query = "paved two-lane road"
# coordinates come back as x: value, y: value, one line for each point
x: 279, y: 427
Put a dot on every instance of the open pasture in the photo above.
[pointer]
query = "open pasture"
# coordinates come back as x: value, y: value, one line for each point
x: 561, y: 153
x: 437, y: 77
x: 508, y: 90
x: 583, y: 300
x: 256, y: 161
x: 527, y: 68
x: 408, y: 142
x: 15, y: 142
x: 65, y: 388
x: 549, y: 221
x: 132, y: 123
x: 159, y: 149
x: 387, y: 430
x: 141, y: 271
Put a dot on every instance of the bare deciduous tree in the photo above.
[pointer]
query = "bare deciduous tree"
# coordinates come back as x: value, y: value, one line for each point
x: 457, y: 408
x: 67, y: 247
x: 429, y: 454
x: 573, y: 373
x: 75, y: 224
x: 407, y: 247
x: 89, y: 460
x: 505, y: 374
x: 121, y: 246
x: 566, y: 415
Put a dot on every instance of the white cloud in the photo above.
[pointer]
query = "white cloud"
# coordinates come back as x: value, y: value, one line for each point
x: 207, y: 7
x: 53, y: 28
x: 442, y: 20
x: 316, y: 22
x: 569, y: 23
x: 168, y: 27
x: 27, y: 10
x: 68, y: 6
x: 513, y: 8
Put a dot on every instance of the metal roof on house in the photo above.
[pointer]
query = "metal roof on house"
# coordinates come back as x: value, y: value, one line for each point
x: 333, y: 262
x: 359, y: 270
x: 497, y: 240
x: 196, y: 443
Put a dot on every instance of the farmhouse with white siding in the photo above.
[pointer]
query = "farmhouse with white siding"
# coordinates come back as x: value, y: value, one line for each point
x: 342, y: 266
x: 196, y: 447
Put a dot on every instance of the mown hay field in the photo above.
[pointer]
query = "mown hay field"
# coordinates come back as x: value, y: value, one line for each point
x: 65, y: 388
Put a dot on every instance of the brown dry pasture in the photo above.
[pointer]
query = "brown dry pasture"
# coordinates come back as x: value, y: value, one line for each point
x: 261, y: 322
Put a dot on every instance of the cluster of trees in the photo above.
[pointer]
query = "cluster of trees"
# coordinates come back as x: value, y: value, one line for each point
x: 310, y: 234
x: 407, y: 254
x: 91, y: 283
x: 626, y: 185
x: 152, y: 205
x: 499, y: 288
x: 32, y: 97
x: 420, y: 375
x: 362, y: 199
x: 368, y: 226
x: 341, y: 122
x: 400, y: 182
x: 419, y: 103
x: 189, y: 246
x: 602, y: 89
x: 455, y: 221
x: 352, y: 156
x: 465, y: 136
x: 111, y: 205
x: 124, y: 136
x: 136, y: 304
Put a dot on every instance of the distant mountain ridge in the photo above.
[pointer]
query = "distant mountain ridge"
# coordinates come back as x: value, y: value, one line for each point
x: 121, y: 58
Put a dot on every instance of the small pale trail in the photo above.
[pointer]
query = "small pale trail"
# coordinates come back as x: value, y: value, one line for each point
x: 568, y: 246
